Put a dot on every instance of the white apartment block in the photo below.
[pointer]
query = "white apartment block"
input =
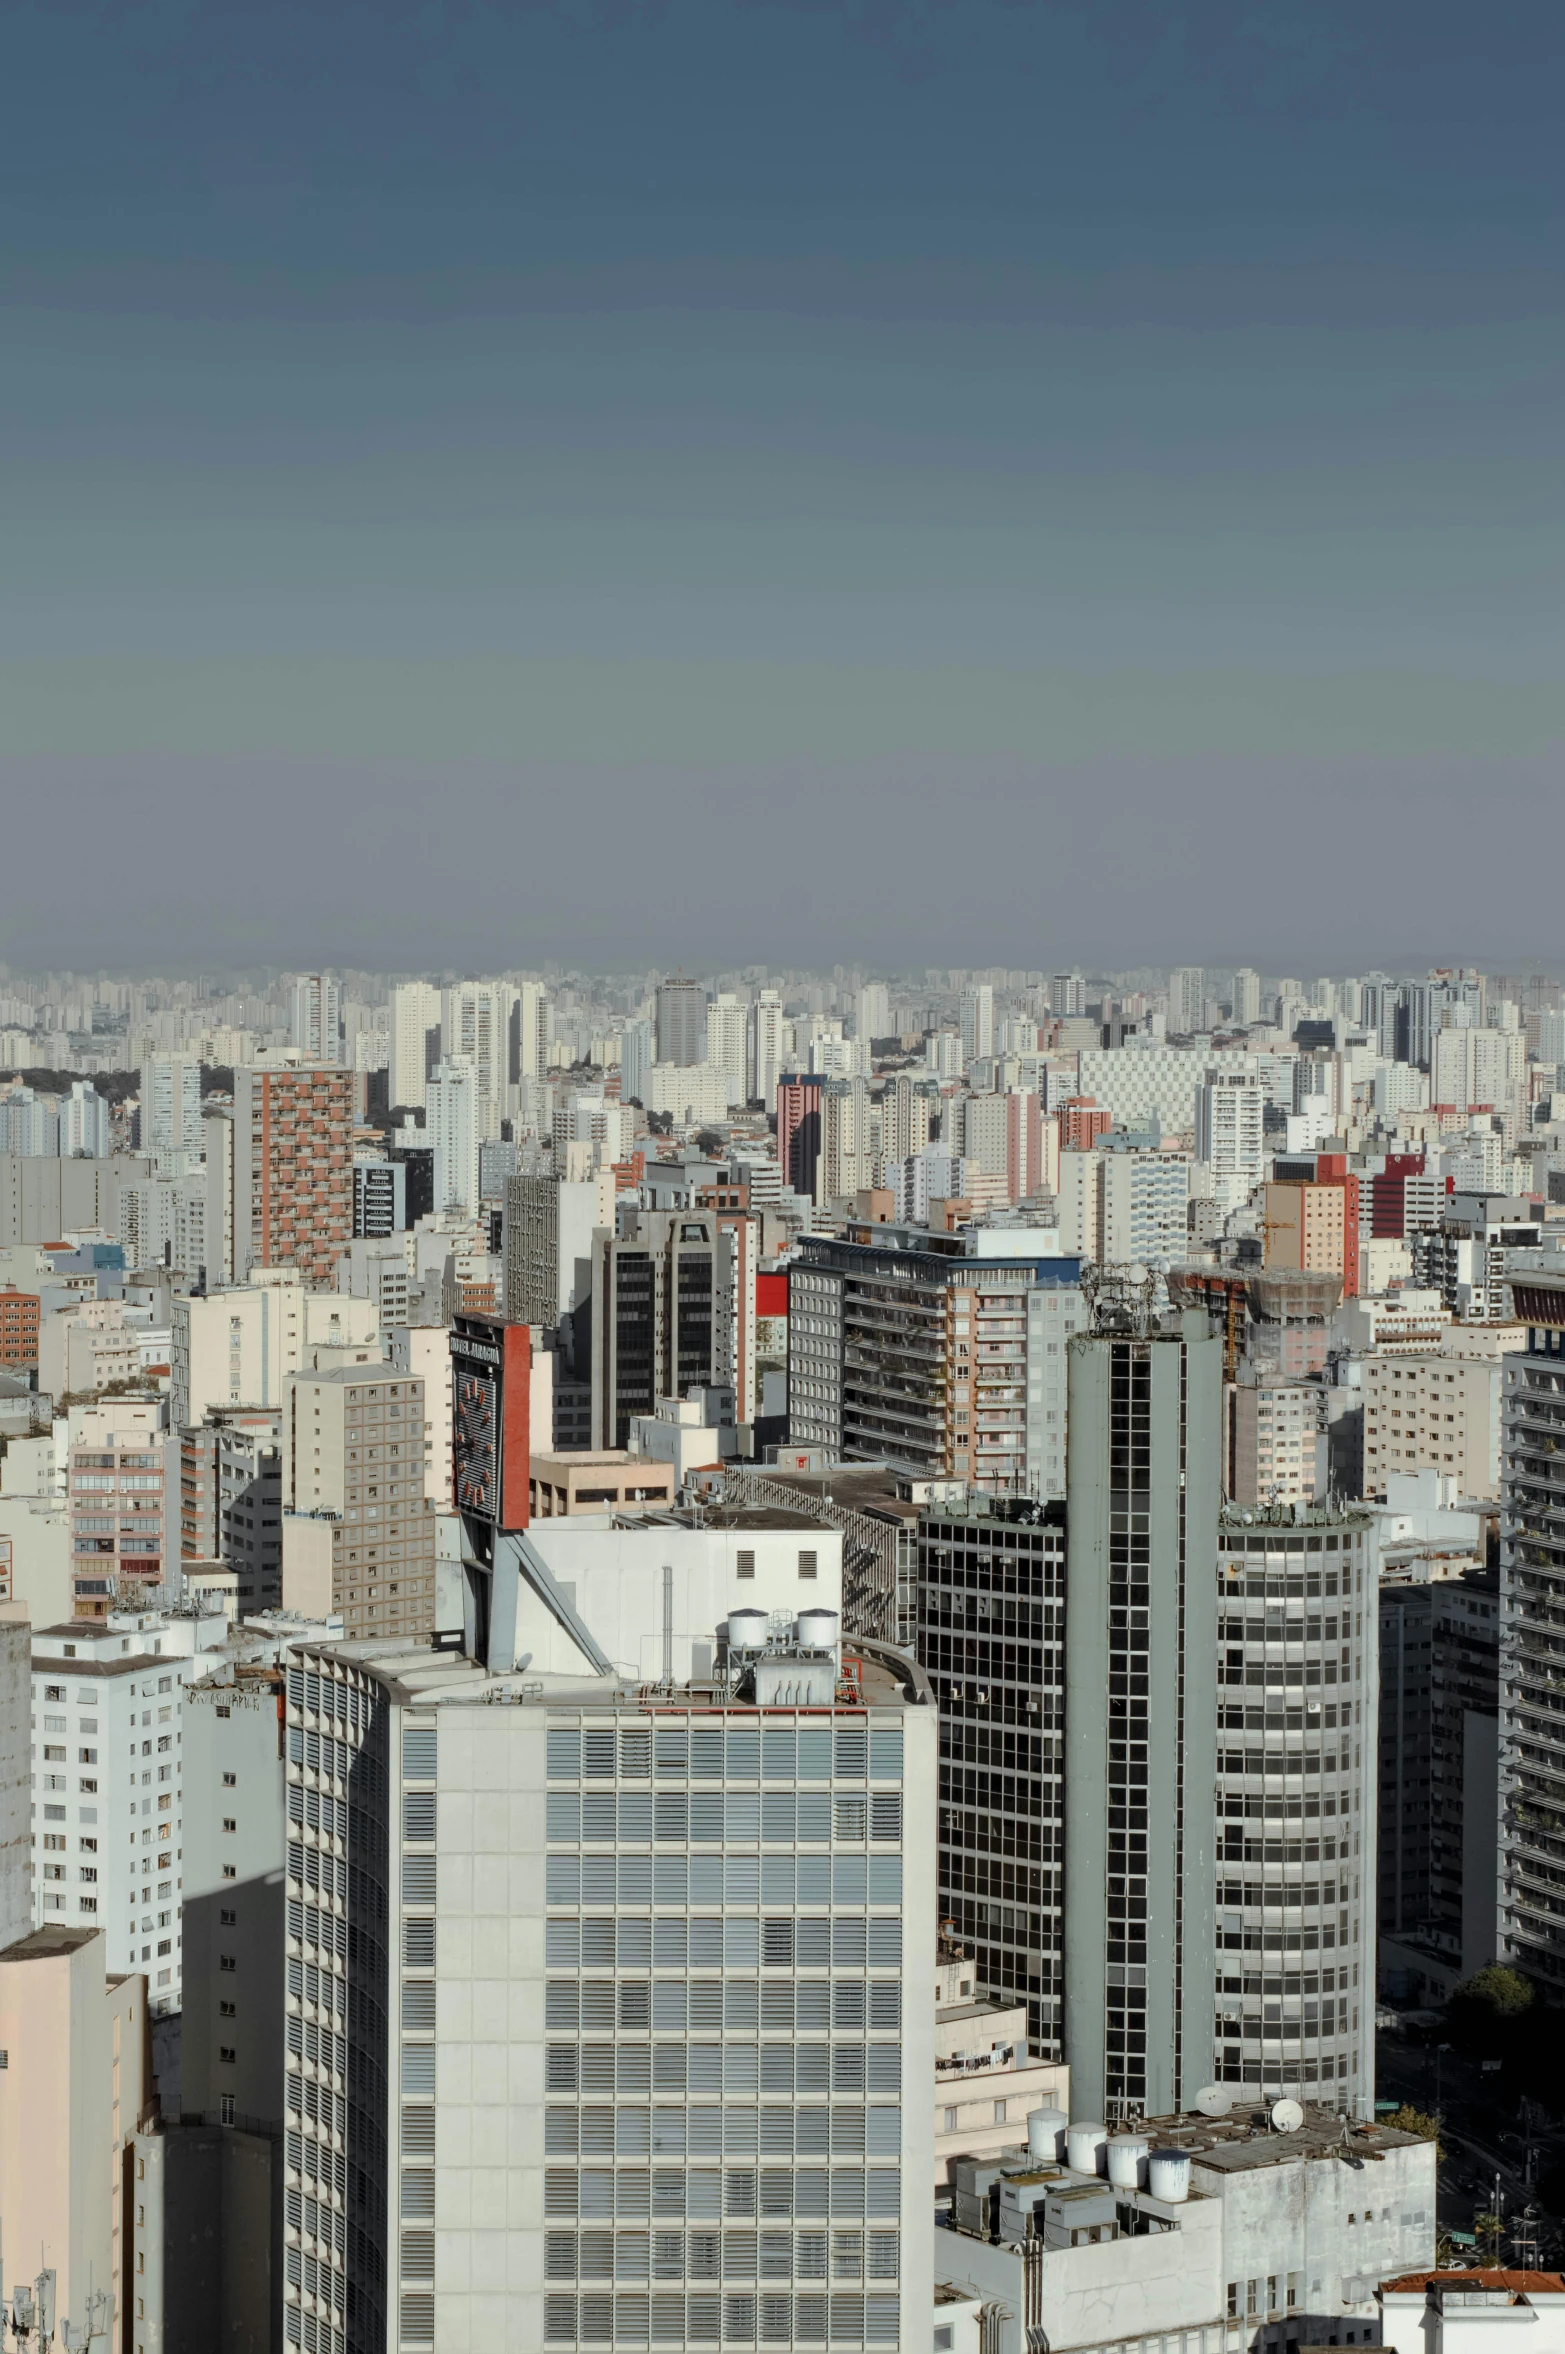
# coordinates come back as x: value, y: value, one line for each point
x: 475, y: 1027
x: 1187, y: 998
x: 171, y: 1112
x: 906, y: 1107
x: 1143, y: 1207
x: 237, y: 1346
x: 1473, y: 1068
x: 108, y: 1716
x: 377, y: 1268
x: 315, y: 1017
x: 415, y: 1011
x: 1230, y: 1134
x: 689, y: 1092
x: 977, y: 1021
x: 764, y: 1048
x: 1120, y: 1207
x: 1246, y: 997
x: 456, y: 1125
x: 1433, y: 1412
x: 535, y: 1029
x: 983, y: 1125
x: 726, y: 1025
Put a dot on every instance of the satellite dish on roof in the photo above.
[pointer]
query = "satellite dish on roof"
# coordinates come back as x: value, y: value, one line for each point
x: 1214, y: 2100
x: 1287, y: 2116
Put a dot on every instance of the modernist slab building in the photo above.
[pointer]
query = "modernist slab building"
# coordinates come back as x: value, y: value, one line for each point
x: 602, y: 1999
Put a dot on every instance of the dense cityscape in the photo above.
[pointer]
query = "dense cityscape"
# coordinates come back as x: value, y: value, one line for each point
x: 781, y: 1658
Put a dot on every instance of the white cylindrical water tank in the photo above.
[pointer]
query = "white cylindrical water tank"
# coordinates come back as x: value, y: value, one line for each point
x: 1128, y: 2160
x: 817, y: 1630
x: 1045, y: 2127
x: 1168, y: 2175
x: 747, y: 1630
x: 1084, y: 2147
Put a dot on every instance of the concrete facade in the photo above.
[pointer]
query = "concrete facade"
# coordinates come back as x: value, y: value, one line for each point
x: 292, y: 1169
x: 353, y: 1447
x: 1272, y: 2239
x: 108, y: 1713
x: 1297, y: 1646
x: 72, y: 2089
x: 521, y: 1985
x: 1140, y: 1761
x: 1434, y: 1411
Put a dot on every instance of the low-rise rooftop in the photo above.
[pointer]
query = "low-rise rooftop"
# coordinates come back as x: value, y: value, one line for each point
x: 47, y: 1945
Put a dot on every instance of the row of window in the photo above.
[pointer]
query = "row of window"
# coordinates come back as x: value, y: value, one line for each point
x: 672, y: 1942
x: 704, y: 1752
x: 705, y: 1815
x: 1259, y: 2070
x: 722, y: 2255
x: 1286, y: 2030
x: 733, y: 1880
x: 671, y: 2004
x: 669, y: 2319
x: 806, y: 2192
x: 776, y: 2131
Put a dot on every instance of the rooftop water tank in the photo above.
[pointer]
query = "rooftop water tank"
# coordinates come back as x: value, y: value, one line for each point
x: 1045, y: 2130
x: 1084, y: 2147
x: 1128, y: 2160
x: 817, y: 1630
x: 1168, y: 2176
x: 747, y: 1630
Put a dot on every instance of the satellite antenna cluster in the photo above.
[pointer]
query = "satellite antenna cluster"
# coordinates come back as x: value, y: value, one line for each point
x: 1215, y: 2100
x: 1122, y: 1299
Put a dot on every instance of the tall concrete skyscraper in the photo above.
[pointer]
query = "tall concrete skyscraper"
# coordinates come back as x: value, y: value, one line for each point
x: 455, y: 1128
x: 1140, y: 1737
x: 532, y: 1030
x: 315, y: 1017
x: 1297, y: 1782
x: 977, y: 1013
x: 764, y: 1046
x: 1186, y: 998
x: 171, y: 1112
x: 475, y: 1024
x: 415, y: 1040
x: 681, y: 1021
x: 1230, y: 1134
x: 872, y: 1011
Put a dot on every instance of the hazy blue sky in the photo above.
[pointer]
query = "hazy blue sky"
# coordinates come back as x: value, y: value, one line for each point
x: 906, y: 482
